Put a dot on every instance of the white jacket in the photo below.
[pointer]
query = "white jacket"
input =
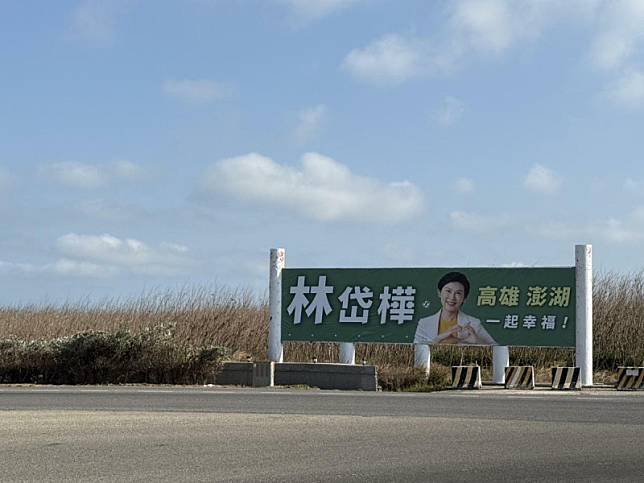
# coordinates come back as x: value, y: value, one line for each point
x: 470, y: 329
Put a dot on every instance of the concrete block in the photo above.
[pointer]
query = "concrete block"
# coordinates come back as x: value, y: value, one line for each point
x: 263, y: 374
x: 466, y: 377
x: 566, y: 378
x: 327, y: 376
x: 324, y: 376
x: 630, y: 378
x: 236, y: 373
x: 519, y: 377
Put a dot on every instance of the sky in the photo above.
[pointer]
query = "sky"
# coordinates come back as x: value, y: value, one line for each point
x: 153, y: 145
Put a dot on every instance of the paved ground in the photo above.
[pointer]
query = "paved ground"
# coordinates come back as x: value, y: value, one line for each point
x: 225, y: 434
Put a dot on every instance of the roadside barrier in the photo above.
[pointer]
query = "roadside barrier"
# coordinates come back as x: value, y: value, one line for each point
x: 263, y: 374
x: 466, y: 377
x: 630, y: 378
x: 566, y: 378
x: 324, y: 376
x: 519, y: 377
x: 253, y: 374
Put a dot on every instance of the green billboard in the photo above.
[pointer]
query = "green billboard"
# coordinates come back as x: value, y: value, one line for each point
x: 462, y: 306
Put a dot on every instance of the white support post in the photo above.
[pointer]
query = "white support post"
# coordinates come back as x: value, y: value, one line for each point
x: 422, y: 357
x: 500, y: 360
x: 584, y: 309
x: 347, y: 353
x: 275, y: 349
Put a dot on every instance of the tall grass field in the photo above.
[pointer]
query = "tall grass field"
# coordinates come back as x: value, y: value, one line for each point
x: 201, y: 326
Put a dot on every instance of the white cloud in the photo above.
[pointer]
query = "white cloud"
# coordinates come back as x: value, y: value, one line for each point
x: 471, y: 29
x: 637, y: 215
x: 76, y: 174
x: 628, y: 90
x: 174, y: 247
x: 81, y: 175
x: 321, y: 188
x: 617, y: 47
x: 542, y: 180
x: 310, y: 123
x: 307, y: 10
x: 497, y: 26
x: 63, y: 266
x: 126, y: 169
x: 94, y: 21
x: 196, y: 91
x: 615, y: 231
x: 634, y: 186
x: 610, y: 51
x: 486, y: 25
x: 450, y: 111
x: 389, y: 60
x: 493, y: 28
x: 621, y: 33
x: 13, y: 267
x: 464, y: 185
x: 128, y: 254
x: 474, y: 222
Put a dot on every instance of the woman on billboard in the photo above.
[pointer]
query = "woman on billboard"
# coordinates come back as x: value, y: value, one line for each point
x: 449, y: 325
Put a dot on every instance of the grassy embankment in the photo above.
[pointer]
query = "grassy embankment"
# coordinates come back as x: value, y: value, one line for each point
x: 177, y: 338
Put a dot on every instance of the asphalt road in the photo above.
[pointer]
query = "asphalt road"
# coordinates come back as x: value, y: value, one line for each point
x: 219, y: 434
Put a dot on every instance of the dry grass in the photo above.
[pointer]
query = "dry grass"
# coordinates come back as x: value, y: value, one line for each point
x: 200, y: 317
x: 238, y: 320
x: 618, y: 312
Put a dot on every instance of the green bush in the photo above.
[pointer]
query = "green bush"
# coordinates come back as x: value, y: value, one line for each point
x: 95, y: 357
x: 26, y: 361
x: 404, y: 378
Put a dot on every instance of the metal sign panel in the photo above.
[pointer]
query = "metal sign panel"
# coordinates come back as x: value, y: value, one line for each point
x: 462, y: 306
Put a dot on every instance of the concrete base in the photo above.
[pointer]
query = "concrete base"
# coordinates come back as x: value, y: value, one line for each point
x: 324, y: 376
x: 263, y: 374
x: 235, y: 373
x: 327, y: 376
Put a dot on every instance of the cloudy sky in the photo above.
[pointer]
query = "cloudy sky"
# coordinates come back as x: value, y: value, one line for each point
x: 150, y: 145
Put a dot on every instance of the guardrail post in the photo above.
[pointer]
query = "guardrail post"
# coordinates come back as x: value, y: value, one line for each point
x: 584, y: 310
x: 347, y: 353
x: 500, y: 360
x: 422, y: 357
x: 275, y: 349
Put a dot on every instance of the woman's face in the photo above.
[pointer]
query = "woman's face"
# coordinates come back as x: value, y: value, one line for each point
x: 452, y: 296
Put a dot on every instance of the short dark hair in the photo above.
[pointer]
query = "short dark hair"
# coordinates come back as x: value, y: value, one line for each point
x: 455, y: 277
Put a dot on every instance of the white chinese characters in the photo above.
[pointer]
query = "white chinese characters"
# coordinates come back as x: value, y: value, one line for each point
x: 512, y: 321
x: 320, y: 304
x: 397, y: 304
x: 359, y: 299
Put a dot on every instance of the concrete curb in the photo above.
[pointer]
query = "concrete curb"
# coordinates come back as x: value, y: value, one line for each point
x: 322, y: 375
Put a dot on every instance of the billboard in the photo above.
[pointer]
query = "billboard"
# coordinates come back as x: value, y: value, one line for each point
x: 459, y: 306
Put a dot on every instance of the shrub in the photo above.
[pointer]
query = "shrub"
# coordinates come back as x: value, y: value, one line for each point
x: 405, y: 378
x: 96, y: 357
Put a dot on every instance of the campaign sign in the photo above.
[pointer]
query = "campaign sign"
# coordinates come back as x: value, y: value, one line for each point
x: 461, y: 306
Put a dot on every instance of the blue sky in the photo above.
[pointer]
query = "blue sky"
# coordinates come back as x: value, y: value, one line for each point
x: 149, y: 145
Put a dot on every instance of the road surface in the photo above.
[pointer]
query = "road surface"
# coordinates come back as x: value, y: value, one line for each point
x: 224, y: 434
